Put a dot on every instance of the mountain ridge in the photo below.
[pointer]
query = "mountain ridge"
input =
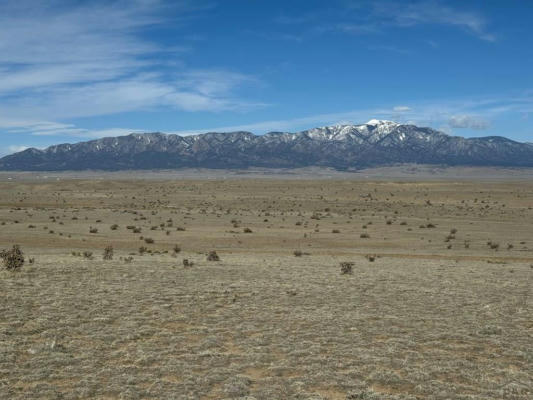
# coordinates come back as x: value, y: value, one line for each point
x: 375, y: 143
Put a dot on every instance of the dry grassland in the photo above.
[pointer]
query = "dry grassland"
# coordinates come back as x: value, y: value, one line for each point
x: 438, y: 305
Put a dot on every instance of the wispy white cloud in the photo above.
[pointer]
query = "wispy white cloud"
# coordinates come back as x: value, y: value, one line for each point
x: 364, y: 17
x: 444, y: 115
x: 15, y: 148
x: 405, y: 14
x: 468, y: 121
x: 63, y: 59
x: 401, y: 108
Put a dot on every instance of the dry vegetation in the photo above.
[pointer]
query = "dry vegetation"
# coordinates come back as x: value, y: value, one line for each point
x: 199, y: 289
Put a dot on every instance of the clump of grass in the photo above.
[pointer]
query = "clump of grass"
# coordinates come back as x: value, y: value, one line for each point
x: 213, y: 256
x: 493, y: 245
x: 371, y: 257
x: 93, y: 230
x: 114, y: 227
x: 449, y: 237
x: 297, y: 253
x: 108, y: 253
x: 335, y: 231
x: 364, y: 236
x: 142, y: 250
x: 176, y: 248
x: 247, y: 230
x: 88, y: 255
x: 13, y: 259
x: 187, y: 263
x: 149, y: 240
x: 346, y: 268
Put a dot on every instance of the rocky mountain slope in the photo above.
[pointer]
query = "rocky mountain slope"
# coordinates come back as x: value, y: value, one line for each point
x: 341, y: 146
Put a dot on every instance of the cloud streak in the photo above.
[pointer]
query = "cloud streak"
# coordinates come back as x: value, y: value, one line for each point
x: 468, y: 121
x: 405, y: 14
x: 82, y: 59
x: 474, y: 114
x: 373, y: 17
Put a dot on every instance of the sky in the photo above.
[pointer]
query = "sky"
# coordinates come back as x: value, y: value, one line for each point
x: 74, y: 70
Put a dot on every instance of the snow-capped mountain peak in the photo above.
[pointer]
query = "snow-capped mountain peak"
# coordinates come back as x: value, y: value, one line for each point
x: 381, y: 122
x: 377, y: 142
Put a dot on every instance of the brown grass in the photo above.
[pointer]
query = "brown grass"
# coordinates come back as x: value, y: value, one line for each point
x: 420, y: 322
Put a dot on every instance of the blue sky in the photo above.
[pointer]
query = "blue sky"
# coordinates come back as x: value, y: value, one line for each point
x: 73, y: 70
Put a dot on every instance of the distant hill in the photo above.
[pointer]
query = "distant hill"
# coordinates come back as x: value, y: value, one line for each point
x: 376, y: 143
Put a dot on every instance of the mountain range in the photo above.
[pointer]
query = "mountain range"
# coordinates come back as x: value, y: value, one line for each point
x: 375, y: 143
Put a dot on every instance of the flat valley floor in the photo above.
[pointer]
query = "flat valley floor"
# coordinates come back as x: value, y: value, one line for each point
x: 438, y: 306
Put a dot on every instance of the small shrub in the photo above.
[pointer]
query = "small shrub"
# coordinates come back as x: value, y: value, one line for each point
x: 346, y: 268
x: 176, y: 248
x: 493, y: 245
x: 142, y: 250
x: 93, y: 230
x: 247, y: 230
x: 108, y: 253
x: 13, y: 259
x: 149, y: 240
x: 128, y: 260
x: 364, y: 236
x: 371, y: 257
x: 187, y: 263
x: 297, y: 253
x: 114, y: 227
x: 213, y: 256
x: 88, y: 255
x: 335, y: 231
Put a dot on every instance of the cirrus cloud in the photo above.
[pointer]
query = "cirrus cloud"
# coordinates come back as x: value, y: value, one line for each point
x: 91, y: 58
x: 468, y: 121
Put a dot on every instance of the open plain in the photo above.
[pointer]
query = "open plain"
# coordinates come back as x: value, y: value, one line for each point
x: 438, y: 304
